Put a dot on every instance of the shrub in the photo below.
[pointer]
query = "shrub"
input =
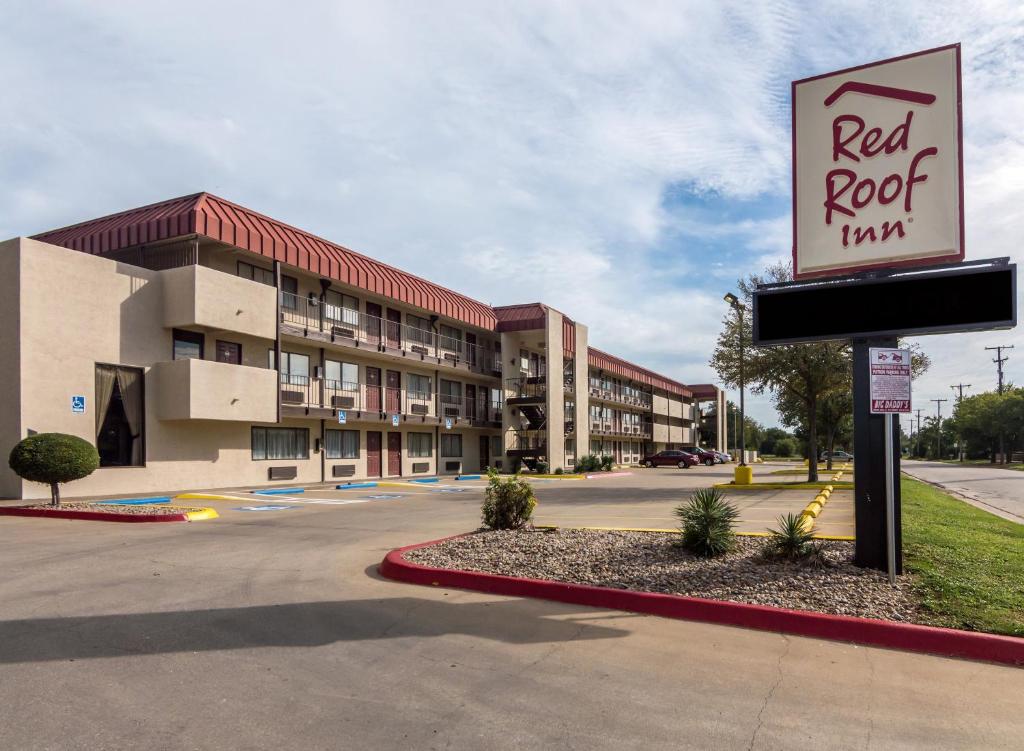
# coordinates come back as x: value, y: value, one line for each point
x: 606, y: 462
x: 53, y: 458
x: 542, y: 468
x: 508, y: 502
x: 515, y: 465
x: 588, y: 463
x: 559, y: 471
x: 707, y: 523
x: 785, y: 447
x: 791, y: 539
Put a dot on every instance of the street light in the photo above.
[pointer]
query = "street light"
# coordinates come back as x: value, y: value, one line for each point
x: 739, y: 307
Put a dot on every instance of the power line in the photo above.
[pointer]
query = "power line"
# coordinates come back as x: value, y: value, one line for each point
x: 999, y: 361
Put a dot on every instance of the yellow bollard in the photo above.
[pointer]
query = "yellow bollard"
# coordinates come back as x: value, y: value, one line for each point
x: 744, y: 475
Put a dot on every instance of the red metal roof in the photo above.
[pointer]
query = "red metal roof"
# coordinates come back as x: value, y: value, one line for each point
x: 525, y: 317
x: 626, y: 369
x: 227, y: 222
x: 704, y: 391
x: 218, y: 219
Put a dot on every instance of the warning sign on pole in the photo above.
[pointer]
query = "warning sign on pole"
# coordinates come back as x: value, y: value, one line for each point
x: 890, y: 380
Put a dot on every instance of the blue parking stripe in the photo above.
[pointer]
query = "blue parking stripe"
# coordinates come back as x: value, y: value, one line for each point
x: 355, y: 485
x: 278, y: 491
x: 469, y: 477
x: 425, y: 479
x: 134, y: 501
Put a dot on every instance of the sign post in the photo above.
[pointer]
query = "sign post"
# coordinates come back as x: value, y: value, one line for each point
x: 890, y: 394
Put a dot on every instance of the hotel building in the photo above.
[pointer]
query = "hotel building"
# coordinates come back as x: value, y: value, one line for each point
x: 199, y: 344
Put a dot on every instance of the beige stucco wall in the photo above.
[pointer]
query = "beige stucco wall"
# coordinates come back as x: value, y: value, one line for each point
x: 660, y: 433
x: 10, y: 363
x: 555, y: 392
x: 210, y: 390
x: 201, y: 296
x: 582, y: 395
x: 659, y: 404
x: 675, y: 407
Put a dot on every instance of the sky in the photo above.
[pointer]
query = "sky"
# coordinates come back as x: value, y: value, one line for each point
x: 622, y: 162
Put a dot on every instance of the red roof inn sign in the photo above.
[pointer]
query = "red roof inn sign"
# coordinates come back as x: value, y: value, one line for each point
x: 877, y: 166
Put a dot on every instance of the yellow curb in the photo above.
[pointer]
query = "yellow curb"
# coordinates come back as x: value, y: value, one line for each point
x: 207, y: 497
x: 813, y: 509
x: 808, y: 521
x: 194, y: 514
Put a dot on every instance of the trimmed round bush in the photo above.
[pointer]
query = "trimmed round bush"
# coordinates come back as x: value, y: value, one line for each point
x: 508, y: 502
x: 785, y: 447
x: 53, y: 458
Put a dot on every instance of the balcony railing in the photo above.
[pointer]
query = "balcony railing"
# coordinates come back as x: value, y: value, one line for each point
x: 344, y: 324
x: 620, y: 396
x: 615, y: 428
x: 526, y: 442
x: 526, y: 387
x: 322, y: 393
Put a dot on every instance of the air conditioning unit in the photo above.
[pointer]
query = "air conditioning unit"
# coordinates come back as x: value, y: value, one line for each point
x: 451, y: 411
x: 343, y: 402
x: 418, y: 409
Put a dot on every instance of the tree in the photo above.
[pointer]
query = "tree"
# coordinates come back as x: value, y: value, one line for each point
x: 53, y: 458
x: 980, y: 419
x: 769, y: 438
x: 800, y: 372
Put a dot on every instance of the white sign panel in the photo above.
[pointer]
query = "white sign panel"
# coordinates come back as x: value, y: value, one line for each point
x: 890, y: 380
x: 394, y: 420
x: 448, y: 423
x: 78, y: 405
x: 877, y: 166
x: 342, y: 417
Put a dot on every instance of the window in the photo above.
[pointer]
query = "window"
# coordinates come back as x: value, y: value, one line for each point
x: 451, y: 445
x: 255, y: 273
x: 418, y: 331
x: 451, y: 389
x: 120, y: 416
x: 495, y: 445
x: 280, y: 443
x: 341, y: 307
x: 290, y: 292
x: 229, y: 352
x: 341, y: 375
x: 420, y: 445
x: 188, y: 345
x: 294, y: 367
x: 451, y: 338
x: 419, y: 386
x: 524, y: 361
x: 342, y: 444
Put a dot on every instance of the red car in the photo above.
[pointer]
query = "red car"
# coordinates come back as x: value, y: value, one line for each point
x: 704, y: 456
x: 679, y: 459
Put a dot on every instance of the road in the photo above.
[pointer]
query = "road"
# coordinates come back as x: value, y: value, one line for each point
x: 273, y: 630
x: 999, y: 491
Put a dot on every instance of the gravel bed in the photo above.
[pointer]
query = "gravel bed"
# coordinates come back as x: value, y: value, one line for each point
x: 651, y: 562
x: 111, y: 508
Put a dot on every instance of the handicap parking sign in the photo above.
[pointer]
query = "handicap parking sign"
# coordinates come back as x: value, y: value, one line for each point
x: 78, y: 405
x: 394, y: 420
x: 342, y: 417
x: 447, y: 423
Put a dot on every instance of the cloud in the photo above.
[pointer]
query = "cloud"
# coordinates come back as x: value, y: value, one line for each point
x: 622, y: 162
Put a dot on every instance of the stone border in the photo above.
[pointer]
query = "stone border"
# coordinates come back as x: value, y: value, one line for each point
x: 945, y: 642
x: 186, y: 515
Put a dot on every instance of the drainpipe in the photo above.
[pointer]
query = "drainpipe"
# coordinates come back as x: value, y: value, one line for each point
x: 277, y: 336
x: 323, y: 452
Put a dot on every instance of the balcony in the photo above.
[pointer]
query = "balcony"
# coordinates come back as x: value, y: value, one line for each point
x: 310, y: 318
x: 197, y: 296
x: 527, y: 444
x: 619, y: 396
x: 209, y: 390
x: 624, y: 430
x: 526, y: 390
x: 319, y: 397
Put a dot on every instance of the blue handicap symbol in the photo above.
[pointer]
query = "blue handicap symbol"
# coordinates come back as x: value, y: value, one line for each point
x: 78, y: 404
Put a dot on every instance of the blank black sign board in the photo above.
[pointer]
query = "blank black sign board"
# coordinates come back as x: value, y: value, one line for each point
x: 941, y: 301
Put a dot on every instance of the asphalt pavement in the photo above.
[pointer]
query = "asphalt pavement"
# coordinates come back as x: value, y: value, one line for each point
x: 271, y: 629
x: 998, y: 491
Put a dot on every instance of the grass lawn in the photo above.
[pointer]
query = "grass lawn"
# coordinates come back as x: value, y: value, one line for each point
x: 985, y: 463
x: 969, y: 563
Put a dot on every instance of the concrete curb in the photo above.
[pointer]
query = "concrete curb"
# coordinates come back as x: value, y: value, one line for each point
x: 841, y: 538
x: 945, y: 642
x: 94, y: 516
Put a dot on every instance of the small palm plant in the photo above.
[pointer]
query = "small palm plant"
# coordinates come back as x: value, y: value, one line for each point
x: 707, y: 522
x: 792, y: 539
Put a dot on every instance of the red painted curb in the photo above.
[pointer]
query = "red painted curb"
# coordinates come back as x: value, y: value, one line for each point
x: 868, y: 631
x: 94, y: 516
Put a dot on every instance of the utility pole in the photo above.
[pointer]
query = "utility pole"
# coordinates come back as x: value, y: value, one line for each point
x: 919, y: 411
x: 959, y: 439
x: 999, y: 369
x: 999, y: 362
x: 938, y: 426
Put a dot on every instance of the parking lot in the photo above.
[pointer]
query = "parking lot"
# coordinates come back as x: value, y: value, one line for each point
x: 271, y: 628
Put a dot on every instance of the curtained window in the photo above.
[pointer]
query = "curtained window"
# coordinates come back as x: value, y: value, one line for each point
x: 342, y: 444
x: 280, y: 443
x: 120, y: 416
x: 451, y: 445
x: 420, y: 445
